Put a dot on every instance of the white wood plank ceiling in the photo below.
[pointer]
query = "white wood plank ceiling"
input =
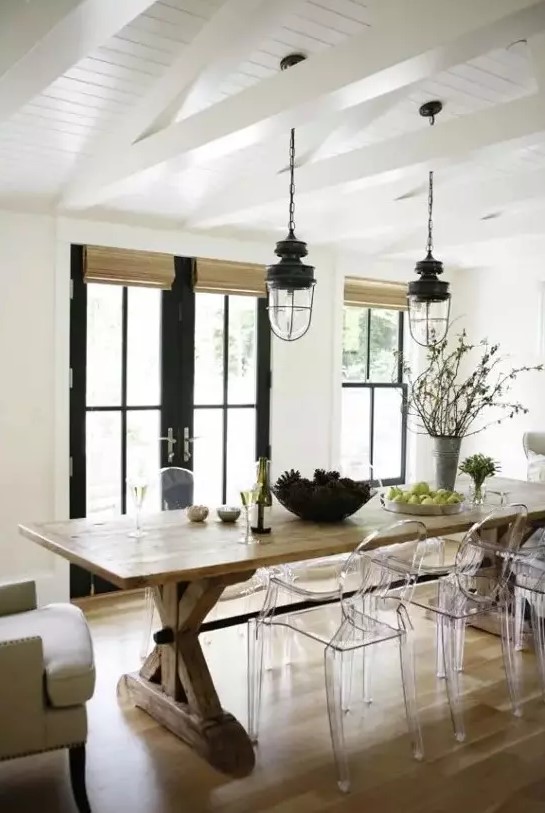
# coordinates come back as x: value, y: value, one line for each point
x: 176, y: 112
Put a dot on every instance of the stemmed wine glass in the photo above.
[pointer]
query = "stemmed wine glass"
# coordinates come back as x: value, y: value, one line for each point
x: 138, y: 488
x: 248, y: 498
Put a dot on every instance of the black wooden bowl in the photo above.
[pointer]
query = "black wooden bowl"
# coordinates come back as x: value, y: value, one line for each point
x: 326, y: 498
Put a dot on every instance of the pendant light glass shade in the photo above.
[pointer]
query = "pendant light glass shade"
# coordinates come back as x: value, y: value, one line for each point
x: 290, y: 312
x: 290, y: 282
x: 428, y: 321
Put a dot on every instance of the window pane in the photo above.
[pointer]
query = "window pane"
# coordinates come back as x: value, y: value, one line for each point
x: 384, y: 343
x: 355, y: 344
x: 104, y: 309
x: 355, y: 432
x: 388, y: 433
x: 241, y: 460
x: 103, y: 450
x: 143, y: 346
x: 208, y: 456
x: 209, y: 348
x: 242, y: 350
x: 143, y: 461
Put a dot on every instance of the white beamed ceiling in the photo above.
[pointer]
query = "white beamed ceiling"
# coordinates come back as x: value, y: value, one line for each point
x: 54, y: 136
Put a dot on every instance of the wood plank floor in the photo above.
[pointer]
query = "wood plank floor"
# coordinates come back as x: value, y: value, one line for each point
x: 134, y: 765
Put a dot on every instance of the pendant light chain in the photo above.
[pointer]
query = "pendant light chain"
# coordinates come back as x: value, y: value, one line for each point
x: 291, y: 224
x: 429, y: 244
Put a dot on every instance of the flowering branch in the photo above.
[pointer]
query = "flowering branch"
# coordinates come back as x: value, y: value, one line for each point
x: 444, y: 405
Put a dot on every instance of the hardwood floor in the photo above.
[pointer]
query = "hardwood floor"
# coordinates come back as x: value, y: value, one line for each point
x: 134, y: 765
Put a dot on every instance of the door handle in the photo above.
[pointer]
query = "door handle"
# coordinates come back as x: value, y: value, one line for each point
x: 171, y: 441
x: 187, y: 441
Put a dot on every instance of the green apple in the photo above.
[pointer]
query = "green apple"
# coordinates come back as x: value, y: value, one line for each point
x: 438, y: 499
x: 399, y: 498
x: 441, y: 491
x: 426, y: 500
x: 414, y: 500
x: 453, y: 500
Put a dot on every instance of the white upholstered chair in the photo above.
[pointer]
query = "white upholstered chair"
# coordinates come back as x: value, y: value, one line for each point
x: 47, y: 674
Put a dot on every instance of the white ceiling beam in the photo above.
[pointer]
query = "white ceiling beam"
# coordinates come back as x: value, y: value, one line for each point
x: 353, y: 122
x: 216, y: 51
x: 40, y: 41
x: 435, y: 35
x: 322, y: 138
x: 219, y: 47
x: 451, y: 140
x: 488, y: 198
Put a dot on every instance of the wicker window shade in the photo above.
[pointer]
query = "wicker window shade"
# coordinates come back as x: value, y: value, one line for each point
x: 374, y: 293
x: 119, y: 266
x: 223, y: 277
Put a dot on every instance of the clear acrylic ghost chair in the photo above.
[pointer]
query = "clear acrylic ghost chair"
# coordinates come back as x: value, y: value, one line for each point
x: 530, y: 582
x: 321, y: 574
x: 359, y: 619
x: 480, y: 583
x: 176, y: 492
x: 531, y: 554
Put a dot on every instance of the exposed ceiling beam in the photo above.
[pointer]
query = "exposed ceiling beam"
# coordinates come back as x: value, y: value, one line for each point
x: 352, y: 123
x: 42, y: 40
x: 433, y: 37
x: 321, y: 138
x: 452, y: 140
x: 219, y: 47
x: 215, y: 52
x: 487, y: 200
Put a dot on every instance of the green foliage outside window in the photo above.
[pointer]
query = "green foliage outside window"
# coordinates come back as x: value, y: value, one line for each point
x: 381, y: 366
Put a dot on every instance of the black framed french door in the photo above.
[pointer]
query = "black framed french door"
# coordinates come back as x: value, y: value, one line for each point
x: 162, y: 378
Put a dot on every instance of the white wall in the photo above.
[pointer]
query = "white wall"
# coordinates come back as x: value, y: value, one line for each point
x: 27, y: 396
x: 503, y: 304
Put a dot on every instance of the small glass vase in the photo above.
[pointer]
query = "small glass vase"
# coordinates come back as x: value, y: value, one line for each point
x: 478, y: 493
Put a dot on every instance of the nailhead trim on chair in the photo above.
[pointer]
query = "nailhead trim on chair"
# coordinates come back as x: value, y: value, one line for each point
x: 15, y: 641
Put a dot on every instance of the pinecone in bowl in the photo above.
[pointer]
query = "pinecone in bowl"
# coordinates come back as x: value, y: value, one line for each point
x: 328, y: 497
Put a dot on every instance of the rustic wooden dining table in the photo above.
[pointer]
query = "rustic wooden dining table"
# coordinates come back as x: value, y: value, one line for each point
x: 188, y: 565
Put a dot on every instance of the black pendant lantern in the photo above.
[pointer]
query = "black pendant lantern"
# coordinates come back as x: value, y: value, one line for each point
x: 290, y: 282
x: 429, y: 298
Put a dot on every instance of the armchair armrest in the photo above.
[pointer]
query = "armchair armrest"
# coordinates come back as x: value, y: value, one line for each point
x: 17, y: 598
x: 22, y: 704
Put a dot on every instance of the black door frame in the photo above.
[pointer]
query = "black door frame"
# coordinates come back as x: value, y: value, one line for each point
x: 177, y: 378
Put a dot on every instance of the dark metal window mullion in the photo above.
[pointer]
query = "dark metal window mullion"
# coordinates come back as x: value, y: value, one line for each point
x: 372, y: 428
x: 225, y: 396
x: 124, y: 332
x: 368, y: 360
x: 400, y: 334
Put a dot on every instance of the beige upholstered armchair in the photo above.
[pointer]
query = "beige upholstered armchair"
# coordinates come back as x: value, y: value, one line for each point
x: 47, y: 674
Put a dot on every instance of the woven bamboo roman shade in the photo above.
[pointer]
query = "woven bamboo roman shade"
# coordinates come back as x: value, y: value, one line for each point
x: 224, y: 277
x: 374, y: 293
x: 119, y: 266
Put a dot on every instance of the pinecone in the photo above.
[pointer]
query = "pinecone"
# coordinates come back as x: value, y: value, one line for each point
x: 287, y: 479
x: 321, y: 477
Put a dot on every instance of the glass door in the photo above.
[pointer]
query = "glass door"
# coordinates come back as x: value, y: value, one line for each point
x: 162, y: 378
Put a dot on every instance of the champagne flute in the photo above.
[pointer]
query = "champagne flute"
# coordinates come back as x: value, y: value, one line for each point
x: 248, y: 498
x: 138, y: 488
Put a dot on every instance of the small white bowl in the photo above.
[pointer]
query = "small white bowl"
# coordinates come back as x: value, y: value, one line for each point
x: 197, y: 513
x: 228, y: 513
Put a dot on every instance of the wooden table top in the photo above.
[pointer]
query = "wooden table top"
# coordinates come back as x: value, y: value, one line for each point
x: 175, y: 549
